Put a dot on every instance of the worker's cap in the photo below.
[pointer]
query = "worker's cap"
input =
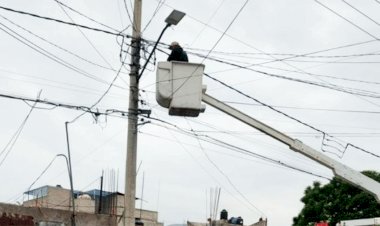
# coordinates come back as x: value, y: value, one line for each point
x: 173, y: 44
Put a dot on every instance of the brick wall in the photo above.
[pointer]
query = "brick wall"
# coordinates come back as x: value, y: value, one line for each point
x: 63, y: 217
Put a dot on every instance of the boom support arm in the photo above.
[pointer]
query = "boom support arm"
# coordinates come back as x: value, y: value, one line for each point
x: 340, y: 170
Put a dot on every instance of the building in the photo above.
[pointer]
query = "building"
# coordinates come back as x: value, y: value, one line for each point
x: 94, y: 202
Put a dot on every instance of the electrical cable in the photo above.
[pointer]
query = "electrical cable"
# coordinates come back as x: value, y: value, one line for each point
x: 243, y: 138
x: 129, y: 15
x: 250, y: 54
x: 328, y: 86
x: 63, y: 22
x: 235, y: 148
x: 304, y: 108
x: 349, y: 21
x: 264, y: 157
x: 60, y: 85
x: 196, y: 160
x: 8, y: 148
x: 223, y: 173
x: 85, y: 16
x: 275, y: 59
x: 304, y: 55
x: 88, y: 40
x: 208, y: 22
x: 215, y: 44
x: 105, y: 93
x: 325, y: 76
x: 96, y: 112
x: 359, y: 11
x: 331, y: 86
x: 42, y: 173
x: 159, y: 6
x: 281, y: 60
x: 49, y: 55
x: 57, y: 46
x: 288, y: 116
x: 236, y: 55
x: 93, y: 46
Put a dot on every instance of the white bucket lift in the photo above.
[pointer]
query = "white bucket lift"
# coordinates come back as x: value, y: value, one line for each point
x: 179, y: 87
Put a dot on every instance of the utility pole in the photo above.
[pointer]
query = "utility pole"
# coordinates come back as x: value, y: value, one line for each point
x: 70, y: 169
x: 130, y: 168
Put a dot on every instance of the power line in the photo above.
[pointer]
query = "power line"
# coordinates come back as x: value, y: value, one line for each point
x: 63, y: 22
x: 349, y: 90
x: 295, y: 55
x: 8, y: 148
x: 159, y: 6
x: 216, y: 43
x: 349, y: 21
x: 209, y: 20
x: 109, y: 87
x: 42, y: 173
x: 306, y: 54
x: 218, y: 142
x: 129, y: 15
x: 275, y: 59
x: 85, y: 36
x: 326, y: 76
x: 281, y: 60
x: 356, y: 92
x: 357, y: 10
x: 295, y: 71
x: 49, y: 55
x: 264, y: 157
x: 57, y: 46
x: 328, y: 86
x: 223, y: 173
x: 96, y: 112
x: 245, y: 56
x: 56, y: 84
x: 290, y: 117
x: 104, y: 94
x: 225, y: 31
x: 96, y: 50
x: 244, y: 138
x: 196, y: 160
x: 310, y: 109
x: 85, y: 16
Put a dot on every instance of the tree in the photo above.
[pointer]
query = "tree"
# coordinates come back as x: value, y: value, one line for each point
x: 337, y: 201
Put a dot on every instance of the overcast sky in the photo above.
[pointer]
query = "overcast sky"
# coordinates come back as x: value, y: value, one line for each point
x: 335, y: 90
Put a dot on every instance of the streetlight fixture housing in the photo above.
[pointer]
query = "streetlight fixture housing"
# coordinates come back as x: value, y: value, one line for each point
x: 175, y: 17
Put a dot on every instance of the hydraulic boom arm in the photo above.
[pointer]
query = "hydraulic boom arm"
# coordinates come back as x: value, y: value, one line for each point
x: 340, y: 170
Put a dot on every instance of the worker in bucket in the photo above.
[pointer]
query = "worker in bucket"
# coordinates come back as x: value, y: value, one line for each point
x: 177, y: 54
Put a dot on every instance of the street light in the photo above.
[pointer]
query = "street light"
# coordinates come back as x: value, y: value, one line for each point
x: 173, y: 19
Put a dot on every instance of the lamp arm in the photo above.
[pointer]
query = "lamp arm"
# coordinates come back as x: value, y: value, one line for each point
x: 151, y: 53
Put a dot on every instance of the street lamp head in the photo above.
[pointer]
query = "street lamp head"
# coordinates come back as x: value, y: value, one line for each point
x: 175, y: 17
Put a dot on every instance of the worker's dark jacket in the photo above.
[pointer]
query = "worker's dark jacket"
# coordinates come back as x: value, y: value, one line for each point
x: 178, y: 54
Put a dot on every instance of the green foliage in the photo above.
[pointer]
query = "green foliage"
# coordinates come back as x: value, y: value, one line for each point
x: 337, y: 201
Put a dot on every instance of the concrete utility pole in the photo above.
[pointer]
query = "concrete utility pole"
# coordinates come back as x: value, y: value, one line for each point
x: 130, y: 169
